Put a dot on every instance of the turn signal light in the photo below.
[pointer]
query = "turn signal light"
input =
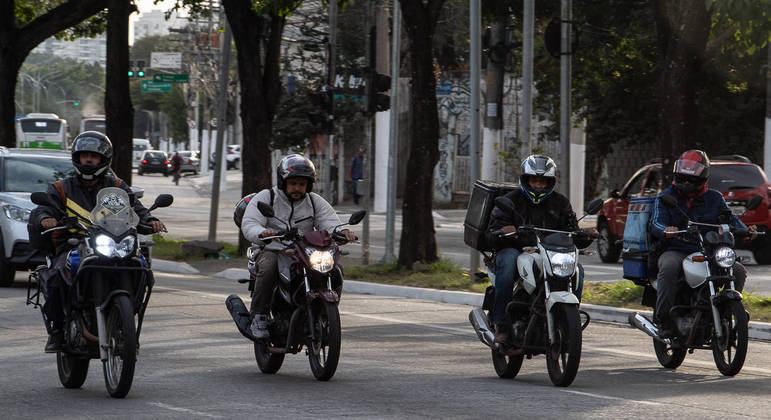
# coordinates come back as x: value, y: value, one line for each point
x: 699, y: 258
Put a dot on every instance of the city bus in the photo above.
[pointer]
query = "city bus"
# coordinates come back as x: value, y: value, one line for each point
x: 93, y: 123
x: 44, y: 131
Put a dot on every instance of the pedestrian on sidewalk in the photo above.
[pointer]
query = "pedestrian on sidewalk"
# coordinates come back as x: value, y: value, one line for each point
x: 357, y: 173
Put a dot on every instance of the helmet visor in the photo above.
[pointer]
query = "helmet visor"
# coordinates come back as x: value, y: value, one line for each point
x: 92, y: 144
x: 689, y: 167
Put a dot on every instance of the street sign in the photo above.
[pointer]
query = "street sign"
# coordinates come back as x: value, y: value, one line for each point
x: 171, y: 78
x: 163, y: 60
x: 148, y: 86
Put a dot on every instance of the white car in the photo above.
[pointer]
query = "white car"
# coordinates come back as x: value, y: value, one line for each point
x: 232, y: 157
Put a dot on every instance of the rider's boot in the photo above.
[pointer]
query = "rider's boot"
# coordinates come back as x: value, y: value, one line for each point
x: 54, y: 343
x: 260, y: 326
x: 502, y: 333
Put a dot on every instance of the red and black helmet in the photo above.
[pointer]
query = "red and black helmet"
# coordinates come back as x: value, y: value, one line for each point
x: 240, y: 209
x: 691, y: 171
x: 295, y: 166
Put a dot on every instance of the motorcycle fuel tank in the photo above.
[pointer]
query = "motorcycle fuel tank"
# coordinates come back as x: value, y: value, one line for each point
x: 695, y: 271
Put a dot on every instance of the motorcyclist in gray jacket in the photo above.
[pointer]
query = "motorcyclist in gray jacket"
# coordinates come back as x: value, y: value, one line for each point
x: 293, y: 201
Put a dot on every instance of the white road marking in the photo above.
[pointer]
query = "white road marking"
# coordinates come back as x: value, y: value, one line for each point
x: 185, y: 410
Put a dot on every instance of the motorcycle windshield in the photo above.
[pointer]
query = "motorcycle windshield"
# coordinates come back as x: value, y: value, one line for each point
x: 558, y: 242
x: 113, y: 211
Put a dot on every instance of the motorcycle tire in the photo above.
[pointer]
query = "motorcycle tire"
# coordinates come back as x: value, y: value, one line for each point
x: 730, y: 350
x: 324, y: 352
x: 669, y: 357
x: 72, y: 370
x: 564, y: 355
x: 506, y: 367
x: 607, y: 248
x: 268, y: 362
x: 121, y: 347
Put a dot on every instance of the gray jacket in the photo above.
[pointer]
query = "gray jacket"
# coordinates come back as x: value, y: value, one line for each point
x: 298, y: 214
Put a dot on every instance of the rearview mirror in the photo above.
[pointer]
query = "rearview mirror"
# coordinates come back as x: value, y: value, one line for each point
x: 265, y: 209
x: 594, y: 206
x: 357, y: 217
x: 615, y: 193
x: 163, y: 200
x: 754, y: 202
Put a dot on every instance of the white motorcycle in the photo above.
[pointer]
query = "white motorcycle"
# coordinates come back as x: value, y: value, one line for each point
x: 708, y: 311
x: 544, y: 308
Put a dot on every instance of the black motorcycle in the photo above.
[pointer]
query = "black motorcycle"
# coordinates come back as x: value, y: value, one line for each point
x: 304, y: 302
x: 109, y: 282
x: 708, y: 311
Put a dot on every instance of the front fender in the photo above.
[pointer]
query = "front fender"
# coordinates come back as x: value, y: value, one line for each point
x: 726, y: 295
x: 560, y: 297
x: 323, y: 294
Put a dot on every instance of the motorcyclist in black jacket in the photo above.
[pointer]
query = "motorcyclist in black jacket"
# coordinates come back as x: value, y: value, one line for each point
x: 76, y: 196
x: 537, y: 205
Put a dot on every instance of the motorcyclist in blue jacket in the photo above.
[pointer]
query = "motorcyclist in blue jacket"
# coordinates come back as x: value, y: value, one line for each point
x: 690, y: 188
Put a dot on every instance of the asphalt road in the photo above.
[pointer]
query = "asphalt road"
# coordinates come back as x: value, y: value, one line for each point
x: 401, y: 358
x: 188, y: 218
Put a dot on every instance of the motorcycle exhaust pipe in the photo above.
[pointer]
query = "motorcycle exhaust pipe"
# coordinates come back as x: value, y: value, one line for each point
x: 478, y: 320
x: 240, y: 315
x: 643, y: 324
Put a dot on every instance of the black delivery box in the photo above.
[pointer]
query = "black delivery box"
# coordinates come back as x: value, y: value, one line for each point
x: 479, y: 208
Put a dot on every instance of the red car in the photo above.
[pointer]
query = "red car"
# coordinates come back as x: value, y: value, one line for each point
x: 735, y: 177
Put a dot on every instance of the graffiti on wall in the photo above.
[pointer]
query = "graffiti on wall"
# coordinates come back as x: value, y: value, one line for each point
x: 453, y: 97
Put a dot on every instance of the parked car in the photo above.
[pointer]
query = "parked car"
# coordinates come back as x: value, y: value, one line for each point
x: 232, y: 157
x: 154, y: 161
x: 190, y: 163
x: 22, y: 172
x: 734, y: 176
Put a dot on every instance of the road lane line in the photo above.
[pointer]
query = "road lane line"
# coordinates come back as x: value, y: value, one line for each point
x: 608, y: 397
x: 185, y: 410
x: 470, y: 332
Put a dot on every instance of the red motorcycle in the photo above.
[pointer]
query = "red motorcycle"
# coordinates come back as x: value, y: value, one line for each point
x: 304, y: 303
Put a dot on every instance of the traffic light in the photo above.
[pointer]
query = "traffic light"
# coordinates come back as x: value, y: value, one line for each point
x: 75, y: 103
x: 140, y: 68
x: 131, y: 73
x: 378, y: 101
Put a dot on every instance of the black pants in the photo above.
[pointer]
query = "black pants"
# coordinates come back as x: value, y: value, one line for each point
x: 55, y: 290
x: 670, y: 266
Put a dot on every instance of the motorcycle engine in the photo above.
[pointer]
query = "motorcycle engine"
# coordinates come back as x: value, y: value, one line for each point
x: 684, y: 325
x: 75, y: 332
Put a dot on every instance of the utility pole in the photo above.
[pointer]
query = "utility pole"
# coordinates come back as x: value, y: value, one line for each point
x: 767, y: 144
x: 331, y: 62
x: 370, y: 80
x: 528, y: 24
x: 222, y: 102
x: 393, y: 135
x: 475, y: 31
x: 566, y: 15
x: 494, y: 97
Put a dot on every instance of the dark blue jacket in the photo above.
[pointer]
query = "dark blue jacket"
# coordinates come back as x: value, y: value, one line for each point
x: 704, y: 209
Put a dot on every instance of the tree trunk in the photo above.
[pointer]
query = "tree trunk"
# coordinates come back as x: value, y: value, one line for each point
x: 17, y: 42
x: 256, y: 36
x: 418, y: 241
x: 119, y: 112
x: 682, y: 31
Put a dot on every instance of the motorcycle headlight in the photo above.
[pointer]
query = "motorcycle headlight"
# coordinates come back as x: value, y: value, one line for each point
x: 20, y: 214
x: 125, y: 246
x: 321, y: 261
x: 725, y: 257
x: 562, y: 264
x: 105, y: 245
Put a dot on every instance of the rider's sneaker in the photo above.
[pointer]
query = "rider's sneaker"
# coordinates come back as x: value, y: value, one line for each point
x: 260, y: 327
x: 54, y: 343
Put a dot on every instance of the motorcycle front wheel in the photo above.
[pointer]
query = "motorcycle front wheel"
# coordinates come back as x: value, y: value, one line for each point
x: 121, y: 347
x: 324, y: 351
x: 72, y: 370
x: 730, y: 350
x: 564, y: 354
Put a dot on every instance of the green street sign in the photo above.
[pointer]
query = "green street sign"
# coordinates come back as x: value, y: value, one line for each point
x: 171, y: 78
x: 148, y: 86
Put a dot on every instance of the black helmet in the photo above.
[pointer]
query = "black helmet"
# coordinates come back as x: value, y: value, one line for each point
x: 538, y: 165
x: 240, y: 209
x: 691, y: 172
x: 292, y: 166
x: 94, y: 142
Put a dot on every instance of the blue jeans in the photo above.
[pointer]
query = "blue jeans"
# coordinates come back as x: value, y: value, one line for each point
x: 506, y: 273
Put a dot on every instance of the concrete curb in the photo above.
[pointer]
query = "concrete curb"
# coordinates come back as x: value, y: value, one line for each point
x: 174, y: 267
x: 757, y: 330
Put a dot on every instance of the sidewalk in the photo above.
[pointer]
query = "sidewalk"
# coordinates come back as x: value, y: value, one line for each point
x: 235, y: 269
